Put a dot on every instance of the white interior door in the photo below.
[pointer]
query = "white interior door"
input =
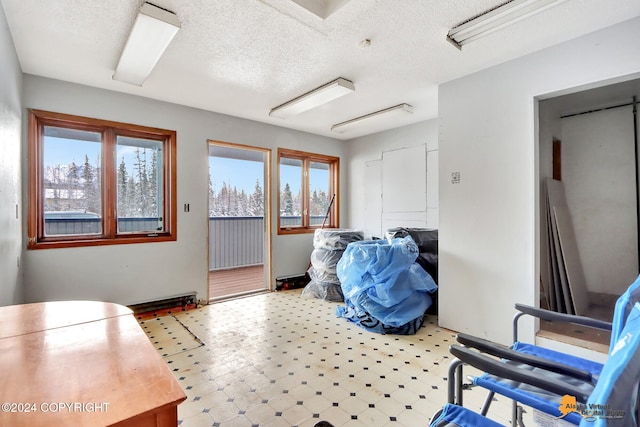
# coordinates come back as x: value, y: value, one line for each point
x: 373, y: 197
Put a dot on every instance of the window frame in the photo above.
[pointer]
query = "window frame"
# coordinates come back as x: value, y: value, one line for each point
x: 109, y: 130
x: 334, y: 185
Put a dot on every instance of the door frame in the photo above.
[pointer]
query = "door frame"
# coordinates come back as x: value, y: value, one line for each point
x: 267, y: 217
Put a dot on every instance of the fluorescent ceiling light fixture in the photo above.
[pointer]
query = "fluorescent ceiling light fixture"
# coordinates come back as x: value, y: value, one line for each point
x: 496, y: 19
x: 321, y: 8
x: 325, y: 93
x: 152, y: 31
x: 375, y: 117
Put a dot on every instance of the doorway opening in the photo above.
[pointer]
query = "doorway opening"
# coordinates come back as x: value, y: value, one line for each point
x: 589, y: 205
x: 239, y: 220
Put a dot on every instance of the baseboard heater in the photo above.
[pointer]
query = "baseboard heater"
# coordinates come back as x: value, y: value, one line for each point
x: 161, y: 304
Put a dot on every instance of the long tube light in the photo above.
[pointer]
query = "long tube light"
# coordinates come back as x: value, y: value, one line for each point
x: 376, y: 116
x: 496, y: 19
x: 152, y: 31
x: 319, y: 96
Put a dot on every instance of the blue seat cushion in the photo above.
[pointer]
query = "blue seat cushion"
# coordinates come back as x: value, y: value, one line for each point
x: 457, y: 416
x: 567, y: 359
x: 534, y: 397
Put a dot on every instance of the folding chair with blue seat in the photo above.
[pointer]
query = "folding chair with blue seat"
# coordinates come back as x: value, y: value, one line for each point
x: 623, y: 307
x: 566, y: 368
x: 615, y: 400
x: 533, y: 382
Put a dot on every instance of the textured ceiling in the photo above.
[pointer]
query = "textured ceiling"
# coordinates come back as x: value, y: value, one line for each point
x: 244, y: 57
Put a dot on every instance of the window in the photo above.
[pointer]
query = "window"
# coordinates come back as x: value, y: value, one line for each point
x: 94, y: 182
x: 308, y: 184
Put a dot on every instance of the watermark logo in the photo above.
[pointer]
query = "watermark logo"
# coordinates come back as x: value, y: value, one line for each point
x: 590, y: 412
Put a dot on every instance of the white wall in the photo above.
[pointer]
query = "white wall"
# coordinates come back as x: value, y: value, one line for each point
x: 599, y: 172
x: 488, y: 247
x: 367, y: 150
x: 549, y: 129
x: 135, y: 273
x: 11, y: 269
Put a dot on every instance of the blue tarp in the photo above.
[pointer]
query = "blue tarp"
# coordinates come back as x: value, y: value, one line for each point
x: 624, y: 306
x: 614, y: 401
x: 385, y: 291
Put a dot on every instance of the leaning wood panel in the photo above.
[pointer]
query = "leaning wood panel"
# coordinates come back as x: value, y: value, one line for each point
x: 555, y: 193
x: 572, y: 263
x: 564, y: 297
x: 555, y: 196
x: 554, y: 274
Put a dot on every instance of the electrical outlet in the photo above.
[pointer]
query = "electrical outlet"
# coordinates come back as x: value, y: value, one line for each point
x: 455, y: 177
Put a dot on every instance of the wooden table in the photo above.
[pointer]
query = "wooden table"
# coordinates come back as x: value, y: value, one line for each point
x: 82, y: 363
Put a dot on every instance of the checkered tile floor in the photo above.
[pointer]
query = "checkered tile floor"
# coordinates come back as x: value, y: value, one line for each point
x: 277, y: 359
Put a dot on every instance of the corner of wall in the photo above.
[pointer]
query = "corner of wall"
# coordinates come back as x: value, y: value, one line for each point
x: 11, y: 237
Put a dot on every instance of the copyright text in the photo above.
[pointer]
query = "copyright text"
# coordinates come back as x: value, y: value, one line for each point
x: 55, y: 407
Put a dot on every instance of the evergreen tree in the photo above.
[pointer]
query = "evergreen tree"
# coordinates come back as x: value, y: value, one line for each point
x: 152, y: 185
x: 140, y: 171
x: 233, y: 202
x: 297, y: 203
x: 243, y: 204
x: 314, y: 203
x: 230, y: 201
x: 123, y: 198
x: 286, y: 203
x: 56, y: 173
x: 131, y: 208
x: 321, y: 203
x: 256, y: 201
x: 72, y: 187
x: 212, y: 198
x: 48, y: 185
x: 223, y: 200
x: 91, y: 186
